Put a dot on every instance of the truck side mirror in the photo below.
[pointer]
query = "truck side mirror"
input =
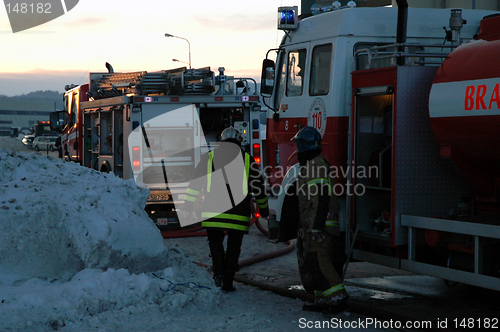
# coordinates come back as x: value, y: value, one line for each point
x: 58, y: 120
x: 276, y: 117
x: 267, y: 78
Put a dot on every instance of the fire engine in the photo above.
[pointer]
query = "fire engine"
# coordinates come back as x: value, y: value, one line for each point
x: 42, y: 128
x: 154, y: 126
x: 407, y: 111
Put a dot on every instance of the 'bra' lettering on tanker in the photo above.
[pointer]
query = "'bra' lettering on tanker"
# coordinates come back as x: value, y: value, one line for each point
x: 479, y: 93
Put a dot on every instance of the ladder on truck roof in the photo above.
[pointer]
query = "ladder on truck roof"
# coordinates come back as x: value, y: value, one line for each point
x: 166, y: 82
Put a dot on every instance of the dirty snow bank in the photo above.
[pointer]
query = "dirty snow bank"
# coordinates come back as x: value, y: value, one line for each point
x: 76, y: 242
x: 14, y: 144
x: 58, y: 218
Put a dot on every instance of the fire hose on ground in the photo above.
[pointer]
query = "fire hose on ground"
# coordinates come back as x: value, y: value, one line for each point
x: 196, y: 232
x: 294, y: 294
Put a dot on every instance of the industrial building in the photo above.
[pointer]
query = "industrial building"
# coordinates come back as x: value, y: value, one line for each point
x: 23, y: 114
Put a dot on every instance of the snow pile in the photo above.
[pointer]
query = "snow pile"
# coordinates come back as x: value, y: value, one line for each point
x: 93, y: 297
x: 58, y: 218
x: 75, y: 243
x: 14, y: 144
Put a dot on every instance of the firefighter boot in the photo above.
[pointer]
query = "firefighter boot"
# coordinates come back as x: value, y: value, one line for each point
x: 341, y: 306
x: 227, y: 284
x: 218, y: 268
x: 218, y: 281
x: 316, y: 307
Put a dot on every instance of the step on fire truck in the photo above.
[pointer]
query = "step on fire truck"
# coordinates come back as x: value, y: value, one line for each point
x: 179, y: 115
x: 409, y: 117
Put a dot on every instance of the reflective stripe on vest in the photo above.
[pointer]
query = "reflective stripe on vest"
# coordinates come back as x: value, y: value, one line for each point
x: 192, y: 192
x: 226, y: 225
x: 225, y: 216
x: 209, y: 170
x: 245, y: 175
x: 316, y: 181
x: 191, y: 195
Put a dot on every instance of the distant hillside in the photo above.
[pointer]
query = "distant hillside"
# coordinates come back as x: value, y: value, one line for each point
x: 51, y: 95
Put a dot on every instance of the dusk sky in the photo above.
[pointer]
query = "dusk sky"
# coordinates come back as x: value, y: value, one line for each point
x: 130, y: 35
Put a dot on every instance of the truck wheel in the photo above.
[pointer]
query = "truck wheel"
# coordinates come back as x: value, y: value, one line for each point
x: 105, y: 167
x: 51, y: 148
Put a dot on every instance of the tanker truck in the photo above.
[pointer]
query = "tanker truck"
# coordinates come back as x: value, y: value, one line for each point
x: 408, y: 113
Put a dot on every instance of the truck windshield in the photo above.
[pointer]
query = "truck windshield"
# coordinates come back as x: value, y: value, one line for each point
x: 290, y: 76
x: 296, y: 72
x: 280, y: 83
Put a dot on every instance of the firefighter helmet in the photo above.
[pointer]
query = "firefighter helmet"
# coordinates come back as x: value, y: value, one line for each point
x: 307, y: 139
x: 231, y: 134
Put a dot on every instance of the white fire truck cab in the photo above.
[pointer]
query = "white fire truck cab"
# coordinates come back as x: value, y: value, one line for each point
x: 361, y: 77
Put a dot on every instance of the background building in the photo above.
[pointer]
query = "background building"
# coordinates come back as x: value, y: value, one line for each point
x: 23, y: 114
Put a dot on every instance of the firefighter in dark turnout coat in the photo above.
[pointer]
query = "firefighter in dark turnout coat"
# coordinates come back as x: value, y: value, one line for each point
x: 227, y: 177
x: 319, y: 226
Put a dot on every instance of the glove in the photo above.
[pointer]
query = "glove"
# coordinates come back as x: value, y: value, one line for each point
x: 317, y: 235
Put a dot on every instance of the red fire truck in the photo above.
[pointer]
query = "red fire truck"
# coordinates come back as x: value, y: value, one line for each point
x: 150, y: 126
x: 408, y: 114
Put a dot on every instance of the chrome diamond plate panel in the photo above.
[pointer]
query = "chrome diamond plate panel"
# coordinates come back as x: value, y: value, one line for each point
x: 426, y: 184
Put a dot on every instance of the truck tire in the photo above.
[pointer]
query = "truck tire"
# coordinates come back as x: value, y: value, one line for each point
x: 105, y: 167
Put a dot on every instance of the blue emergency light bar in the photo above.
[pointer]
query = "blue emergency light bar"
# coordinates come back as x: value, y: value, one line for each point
x: 288, y: 18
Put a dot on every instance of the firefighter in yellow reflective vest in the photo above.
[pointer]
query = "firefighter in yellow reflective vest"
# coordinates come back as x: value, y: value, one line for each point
x: 227, y: 177
x: 319, y: 231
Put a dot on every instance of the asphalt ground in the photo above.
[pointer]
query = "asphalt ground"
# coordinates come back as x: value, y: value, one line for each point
x: 375, y: 291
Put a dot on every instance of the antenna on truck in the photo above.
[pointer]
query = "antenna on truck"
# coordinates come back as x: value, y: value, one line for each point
x: 109, y: 67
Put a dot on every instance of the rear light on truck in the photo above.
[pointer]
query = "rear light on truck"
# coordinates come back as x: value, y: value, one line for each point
x: 143, y: 99
x: 136, y: 158
x: 256, y: 153
x: 255, y: 124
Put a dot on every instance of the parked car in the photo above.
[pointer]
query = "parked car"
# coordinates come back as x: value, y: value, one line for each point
x: 28, y: 140
x: 42, y: 142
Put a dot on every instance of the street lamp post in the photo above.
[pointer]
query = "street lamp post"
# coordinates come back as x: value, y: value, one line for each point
x: 175, y: 60
x: 189, y: 45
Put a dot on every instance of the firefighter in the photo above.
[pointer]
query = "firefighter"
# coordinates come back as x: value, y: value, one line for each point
x: 226, y: 204
x: 319, y: 237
